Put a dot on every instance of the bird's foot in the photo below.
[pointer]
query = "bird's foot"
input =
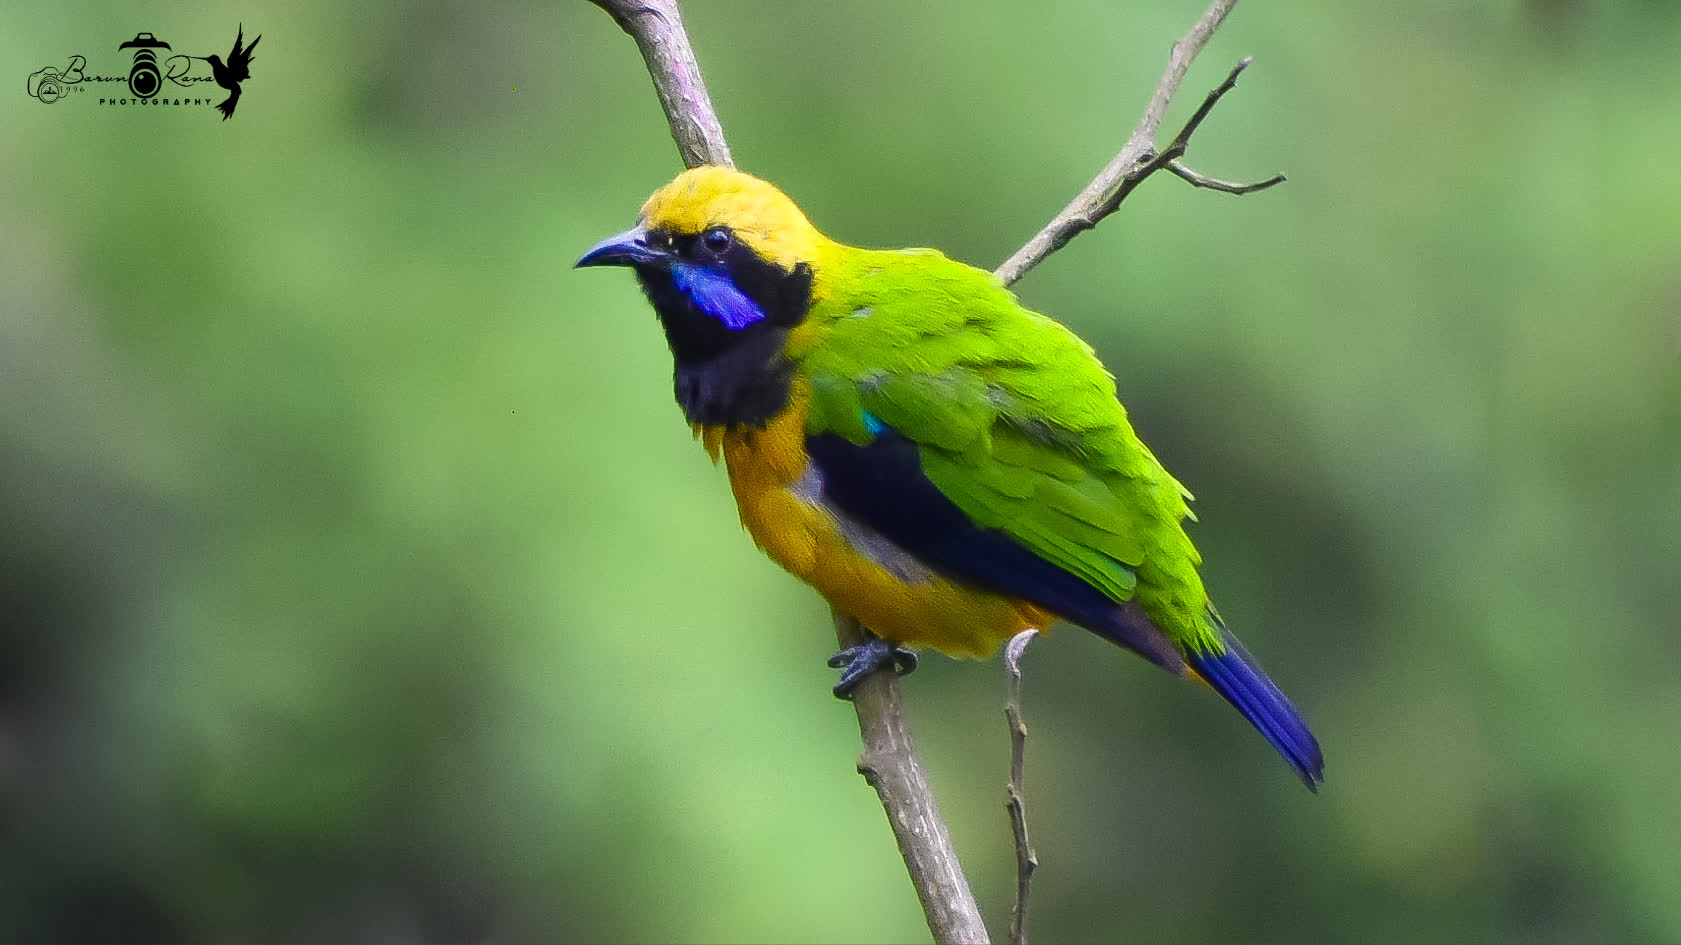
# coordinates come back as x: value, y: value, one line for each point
x: 867, y: 657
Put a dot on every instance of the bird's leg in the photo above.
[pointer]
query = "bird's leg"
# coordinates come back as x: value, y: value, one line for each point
x: 867, y: 657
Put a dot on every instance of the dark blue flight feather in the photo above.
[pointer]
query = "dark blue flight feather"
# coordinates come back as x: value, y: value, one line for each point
x: 1235, y: 675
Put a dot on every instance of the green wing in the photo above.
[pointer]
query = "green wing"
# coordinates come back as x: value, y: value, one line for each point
x: 1015, y: 420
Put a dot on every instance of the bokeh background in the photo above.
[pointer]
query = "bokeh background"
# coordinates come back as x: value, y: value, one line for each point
x: 359, y: 580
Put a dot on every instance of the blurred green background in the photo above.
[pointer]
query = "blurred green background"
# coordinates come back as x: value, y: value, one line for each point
x: 359, y: 580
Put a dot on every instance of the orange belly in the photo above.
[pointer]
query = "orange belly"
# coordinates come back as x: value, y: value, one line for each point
x: 779, y: 494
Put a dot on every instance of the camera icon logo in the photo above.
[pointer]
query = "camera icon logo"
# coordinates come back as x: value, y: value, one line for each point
x: 144, y: 79
x: 46, y: 85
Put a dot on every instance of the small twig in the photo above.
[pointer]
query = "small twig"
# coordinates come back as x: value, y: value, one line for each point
x: 1138, y: 158
x: 1016, y: 794
x: 892, y: 765
x: 1224, y: 186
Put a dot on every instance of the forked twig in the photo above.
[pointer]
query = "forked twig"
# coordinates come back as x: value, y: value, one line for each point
x: 1138, y: 158
x: 1170, y: 155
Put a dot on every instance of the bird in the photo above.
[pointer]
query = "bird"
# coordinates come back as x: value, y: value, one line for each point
x: 938, y: 461
x: 236, y: 70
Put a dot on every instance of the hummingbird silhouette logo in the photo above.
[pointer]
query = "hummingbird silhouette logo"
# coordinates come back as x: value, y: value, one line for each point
x: 229, y: 74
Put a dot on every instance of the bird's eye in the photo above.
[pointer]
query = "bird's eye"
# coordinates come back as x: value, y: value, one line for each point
x: 716, y: 239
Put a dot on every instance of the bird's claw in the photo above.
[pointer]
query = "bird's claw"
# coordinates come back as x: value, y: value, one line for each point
x: 867, y: 657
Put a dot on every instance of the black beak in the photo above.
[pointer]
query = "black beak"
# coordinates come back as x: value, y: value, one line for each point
x: 629, y: 248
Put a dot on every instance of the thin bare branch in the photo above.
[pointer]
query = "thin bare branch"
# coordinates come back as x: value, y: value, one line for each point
x: 1138, y: 158
x: 892, y: 765
x: 657, y: 27
x: 1016, y: 794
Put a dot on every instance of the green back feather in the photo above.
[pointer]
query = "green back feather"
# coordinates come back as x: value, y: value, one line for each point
x: 1016, y: 419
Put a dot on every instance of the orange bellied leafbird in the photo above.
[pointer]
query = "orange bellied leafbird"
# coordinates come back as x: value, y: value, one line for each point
x: 938, y: 461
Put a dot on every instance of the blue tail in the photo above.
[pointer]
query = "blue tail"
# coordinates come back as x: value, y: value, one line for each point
x: 1235, y: 675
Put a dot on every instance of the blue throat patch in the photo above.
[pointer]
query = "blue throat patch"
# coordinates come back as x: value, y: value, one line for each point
x: 715, y: 295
